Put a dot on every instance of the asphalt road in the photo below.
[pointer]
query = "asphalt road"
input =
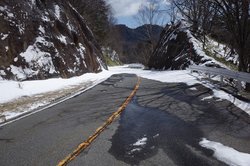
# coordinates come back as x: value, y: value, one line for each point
x: 172, y: 117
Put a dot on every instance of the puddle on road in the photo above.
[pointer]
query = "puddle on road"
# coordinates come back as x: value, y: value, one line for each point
x: 142, y: 131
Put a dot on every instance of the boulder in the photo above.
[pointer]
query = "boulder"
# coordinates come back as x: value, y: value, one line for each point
x: 177, y: 49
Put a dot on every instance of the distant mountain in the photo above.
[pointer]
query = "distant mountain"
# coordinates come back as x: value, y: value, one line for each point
x: 41, y: 39
x: 130, y: 42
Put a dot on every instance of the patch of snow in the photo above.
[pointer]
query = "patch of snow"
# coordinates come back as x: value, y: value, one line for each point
x: 57, y: 12
x: 21, y: 73
x: 173, y: 37
x: 193, y: 88
x: 70, y: 26
x: 226, y: 154
x: 6, y: 48
x: 157, y: 135
x: 222, y: 51
x: 45, y: 18
x: 4, y: 36
x: 36, y: 58
x: 198, y: 49
x: 11, y: 90
x: 2, y: 9
x: 207, y: 98
x: 10, y: 114
x: 223, y: 95
x: 41, y: 29
x: 136, y: 150
x: 62, y: 39
x: 21, y: 28
x: 15, y: 59
x: 81, y: 49
x: 11, y: 15
x: 2, y: 72
x: 141, y: 142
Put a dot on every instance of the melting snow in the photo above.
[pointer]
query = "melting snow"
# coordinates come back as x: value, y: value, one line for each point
x: 70, y: 26
x: 36, y: 58
x: 57, y: 12
x: 141, y: 142
x: 2, y: 72
x: 198, y: 49
x: 41, y: 29
x: 4, y: 36
x: 226, y: 154
x: 193, y: 88
x: 45, y: 18
x: 223, y: 95
x: 2, y: 9
x: 62, y: 39
x: 11, y: 90
x: 207, y: 98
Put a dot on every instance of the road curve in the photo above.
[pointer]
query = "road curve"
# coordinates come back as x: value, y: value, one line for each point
x: 162, y: 125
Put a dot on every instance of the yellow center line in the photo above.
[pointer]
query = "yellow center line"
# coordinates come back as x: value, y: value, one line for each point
x: 99, y: 130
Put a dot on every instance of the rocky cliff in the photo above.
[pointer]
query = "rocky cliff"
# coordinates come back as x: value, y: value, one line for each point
x: 178, y: 48
x: 41, y: 39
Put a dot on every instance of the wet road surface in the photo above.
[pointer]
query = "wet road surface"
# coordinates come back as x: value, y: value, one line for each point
x: 161, y: 126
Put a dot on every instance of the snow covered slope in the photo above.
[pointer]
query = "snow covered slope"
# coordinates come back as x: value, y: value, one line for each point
x: 178, y: 48
x: 40, y: 39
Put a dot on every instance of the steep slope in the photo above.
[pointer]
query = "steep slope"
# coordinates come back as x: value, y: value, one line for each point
x: 40, y: 39
x: 130, y: 42
x: 111, y: 57
x: 178, y: 48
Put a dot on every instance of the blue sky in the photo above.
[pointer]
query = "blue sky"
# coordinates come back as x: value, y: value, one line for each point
x: 127, y: 20
x: 125, y: 10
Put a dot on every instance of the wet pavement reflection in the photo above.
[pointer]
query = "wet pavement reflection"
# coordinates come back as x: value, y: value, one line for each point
x: 143, y: 131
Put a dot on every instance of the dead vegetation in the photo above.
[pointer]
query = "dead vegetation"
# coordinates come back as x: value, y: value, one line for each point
x: 30, y: 103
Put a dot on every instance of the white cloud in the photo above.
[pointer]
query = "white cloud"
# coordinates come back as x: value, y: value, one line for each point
x: 125, y: 7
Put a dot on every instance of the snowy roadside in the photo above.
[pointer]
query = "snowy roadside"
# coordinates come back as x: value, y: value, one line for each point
x: 18, y: 98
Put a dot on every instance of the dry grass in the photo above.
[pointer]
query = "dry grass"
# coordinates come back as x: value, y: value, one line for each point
x: 29, y: 103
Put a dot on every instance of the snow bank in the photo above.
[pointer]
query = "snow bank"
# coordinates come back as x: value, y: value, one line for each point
x: 223, y: 95
x: 177, y: 76
x: 11, y: 90
x: 226, y: 154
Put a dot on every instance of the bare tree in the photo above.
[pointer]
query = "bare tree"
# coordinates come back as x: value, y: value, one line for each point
x: 97, y: 14
x: 172, y: 11
x: 235, y: 15
x: 200, y: 13
x: 149, y: 15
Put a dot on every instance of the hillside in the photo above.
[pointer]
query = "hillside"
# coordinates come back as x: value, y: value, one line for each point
x: 178, y: 48
x: 131, y: 42
x: 43, y: 39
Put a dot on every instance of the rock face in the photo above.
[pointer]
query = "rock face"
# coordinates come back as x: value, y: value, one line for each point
x: 177, y: 49
x: 40, y: 39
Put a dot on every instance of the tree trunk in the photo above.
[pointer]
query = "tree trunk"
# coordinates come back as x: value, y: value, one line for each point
x: 247, y: 87
x: 242, y: 66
